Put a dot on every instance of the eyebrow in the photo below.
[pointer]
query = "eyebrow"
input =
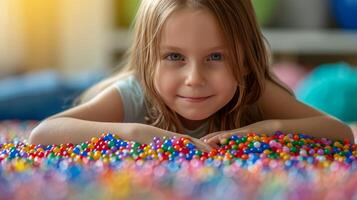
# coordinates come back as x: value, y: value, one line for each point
x: 174, y: 48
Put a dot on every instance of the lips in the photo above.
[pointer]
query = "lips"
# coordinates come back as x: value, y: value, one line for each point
x: 195, y: 99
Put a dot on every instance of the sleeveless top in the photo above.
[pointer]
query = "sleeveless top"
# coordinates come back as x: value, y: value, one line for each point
x: 135, y: 109
x: 134, y: 104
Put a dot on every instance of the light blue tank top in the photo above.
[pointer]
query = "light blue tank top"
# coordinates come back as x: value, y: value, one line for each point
x: 134, y: 105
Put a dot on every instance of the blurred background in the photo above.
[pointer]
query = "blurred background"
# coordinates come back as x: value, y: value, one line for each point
x: 50, y: 51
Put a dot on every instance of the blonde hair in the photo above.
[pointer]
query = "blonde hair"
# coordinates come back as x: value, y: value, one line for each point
x: 248, y: 60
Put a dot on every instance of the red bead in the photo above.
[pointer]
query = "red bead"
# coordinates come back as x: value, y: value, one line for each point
x: 244, y: 157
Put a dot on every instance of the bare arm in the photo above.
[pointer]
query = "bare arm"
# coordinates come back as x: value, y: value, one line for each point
x: 294, y: 116
x: 103, y: 114
x: 283, y: 112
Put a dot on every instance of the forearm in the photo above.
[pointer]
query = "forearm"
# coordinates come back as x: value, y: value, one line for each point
x: 320, y: 126
x: 71, y: 130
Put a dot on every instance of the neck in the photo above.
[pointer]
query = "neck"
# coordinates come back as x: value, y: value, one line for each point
x: 191, y: 124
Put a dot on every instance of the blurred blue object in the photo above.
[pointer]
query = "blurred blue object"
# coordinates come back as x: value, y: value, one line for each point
x: 346, y: 13
x: 331, y: 88
x: 39, y: 95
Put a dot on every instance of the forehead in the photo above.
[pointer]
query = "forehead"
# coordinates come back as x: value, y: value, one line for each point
x: 189, y: 28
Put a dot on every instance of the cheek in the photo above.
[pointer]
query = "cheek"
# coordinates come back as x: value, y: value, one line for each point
x: 165, y: 83
x: 226, y: 86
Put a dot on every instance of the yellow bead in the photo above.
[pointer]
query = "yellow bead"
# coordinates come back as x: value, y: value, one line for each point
x: 90, y: 146
x: 105, y: 160
x: 56, y: 150
x: 20, y: 165
x: 142, y: 155
x: 96, y: 155
x: 325, y: 164
x: 94, y: 140
x: 220, y: 158
x: 77, y: 159
x: 150, y: 151
x: 266, y: 151
x: 337, y: 144
x: 186, y: 141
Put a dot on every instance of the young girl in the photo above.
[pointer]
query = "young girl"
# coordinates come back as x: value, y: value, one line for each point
x: 196, y: 68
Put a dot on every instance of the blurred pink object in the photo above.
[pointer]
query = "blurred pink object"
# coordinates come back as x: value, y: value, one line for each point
x: 290, y: 73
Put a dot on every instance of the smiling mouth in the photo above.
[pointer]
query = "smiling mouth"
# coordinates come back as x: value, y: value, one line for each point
x: 195, y: 99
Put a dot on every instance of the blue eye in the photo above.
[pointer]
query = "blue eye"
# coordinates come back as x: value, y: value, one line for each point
x: 215, y: 57
x: 175, y: 57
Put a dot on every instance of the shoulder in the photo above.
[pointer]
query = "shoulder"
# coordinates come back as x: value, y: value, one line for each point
x: 132, y: 97
x: 278, y: 102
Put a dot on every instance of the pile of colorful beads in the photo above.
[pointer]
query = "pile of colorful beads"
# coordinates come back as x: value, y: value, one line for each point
x: 255, y: 166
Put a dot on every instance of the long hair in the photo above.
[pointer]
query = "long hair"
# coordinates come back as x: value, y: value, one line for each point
x: 248, y: 60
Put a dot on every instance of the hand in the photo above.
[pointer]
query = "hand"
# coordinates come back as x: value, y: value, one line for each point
x: 262, y: 127
x: 199, y: 144
x: 145, y: 133
x: 214, y: 139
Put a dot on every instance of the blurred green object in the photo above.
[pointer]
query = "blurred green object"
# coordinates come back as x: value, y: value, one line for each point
x: 331, y: 88
x: 126, y: 10
x: 264, y: 10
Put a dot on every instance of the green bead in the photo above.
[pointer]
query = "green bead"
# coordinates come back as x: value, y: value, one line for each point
x: 136, y: 145
x: 51, y: 155
x: 293, y: 149
x: 171, y: 149
x: 327, y: 151
x: 273, y: 156
x: 198, y: 153
x: 235, y: 147
x: 111, y: 144
x: 84, y: 145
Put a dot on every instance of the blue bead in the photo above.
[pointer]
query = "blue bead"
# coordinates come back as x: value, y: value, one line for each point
x: 76, y: 150
x: 123, y: 144
x: 168, y: 142
x: 191, y: 152
x: 348, y: 160
x: 234, y: 137
x: 189, y: 157
x: 175, y: 153
x: 190, y: 146
x: 246, y: 151
x: 259, y: 150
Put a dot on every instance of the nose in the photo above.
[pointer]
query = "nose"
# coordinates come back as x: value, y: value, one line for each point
x: 195, y: 76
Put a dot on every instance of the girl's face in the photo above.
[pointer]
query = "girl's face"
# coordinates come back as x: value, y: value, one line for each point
x: 193, y: 77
